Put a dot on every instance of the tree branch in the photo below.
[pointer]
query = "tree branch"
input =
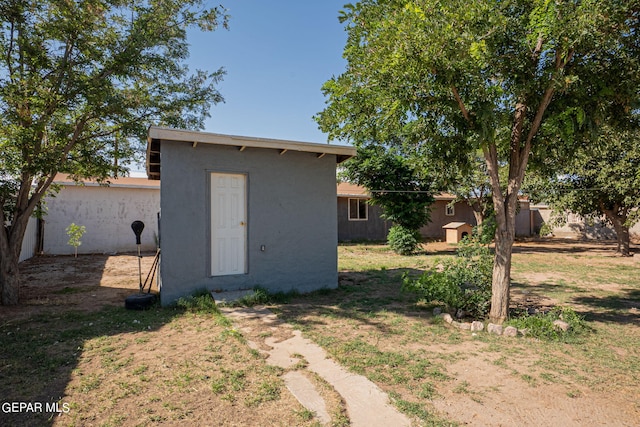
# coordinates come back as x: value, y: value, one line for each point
x: 465, y: 112
x: 10, y: 51
x: 491, y: 159
x: 538, y: 49
x: 560, y: 64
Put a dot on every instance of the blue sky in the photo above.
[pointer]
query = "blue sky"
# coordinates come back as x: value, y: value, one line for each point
x: 277, y: 54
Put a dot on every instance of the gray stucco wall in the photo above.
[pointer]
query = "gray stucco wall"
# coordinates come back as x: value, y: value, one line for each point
x: 291, y: 210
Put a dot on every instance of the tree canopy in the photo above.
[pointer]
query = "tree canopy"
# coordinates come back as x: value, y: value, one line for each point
x: 598, y: 179
x: 453, y: 77
x: 403, y: 192
x: 80, y: 82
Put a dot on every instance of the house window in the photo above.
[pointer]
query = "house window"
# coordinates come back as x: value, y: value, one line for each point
x: 357, y: 210
x: 449, y: 210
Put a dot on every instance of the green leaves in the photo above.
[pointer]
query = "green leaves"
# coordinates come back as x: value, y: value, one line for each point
x: 403, y: 192
x: 80, y: 83
x: 516, y: 79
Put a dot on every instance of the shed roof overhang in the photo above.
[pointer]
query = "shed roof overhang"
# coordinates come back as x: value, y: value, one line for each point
x: 156, y: 135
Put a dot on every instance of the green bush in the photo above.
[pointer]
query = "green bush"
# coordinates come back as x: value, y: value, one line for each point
x: 541, y: 325
x: 402, y: 240
x: 200, y: 302
x: 546, y: 230
x: 460, y: 283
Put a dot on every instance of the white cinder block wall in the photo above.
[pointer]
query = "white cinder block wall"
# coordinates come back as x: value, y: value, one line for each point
x: 107, y: 214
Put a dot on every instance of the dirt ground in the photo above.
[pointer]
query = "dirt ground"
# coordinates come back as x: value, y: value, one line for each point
x: 85, y: 283
x: 497, y: 398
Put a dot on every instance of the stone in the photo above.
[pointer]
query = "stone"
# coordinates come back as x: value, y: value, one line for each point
x: 460, y: 313
x: 531, y: 311
x: 437, y: 311
x: 492, y: 328
x: 523, y: 332
x: 477, y: 326
x: 510, y: 331
x: 447, y: 318
x: 465, y: 326
x: 562, y: 325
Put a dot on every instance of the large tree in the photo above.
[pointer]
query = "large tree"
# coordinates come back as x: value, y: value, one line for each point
x: 599, y: 179
x: 455, y: 76
x: 80, y: 81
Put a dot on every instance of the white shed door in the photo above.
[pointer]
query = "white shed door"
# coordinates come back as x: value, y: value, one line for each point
x: 228, y: 224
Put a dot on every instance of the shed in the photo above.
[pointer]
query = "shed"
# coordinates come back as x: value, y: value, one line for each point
x: 455, y: 231
x: 241, y: 212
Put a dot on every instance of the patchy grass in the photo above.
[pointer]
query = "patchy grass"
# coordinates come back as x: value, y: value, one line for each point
x: 189, y: 365
x: 372, y: 328
x: 119, y: 367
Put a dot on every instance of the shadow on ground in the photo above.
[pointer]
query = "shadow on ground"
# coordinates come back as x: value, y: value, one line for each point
x: 623, y: 308
x: 64, y: 303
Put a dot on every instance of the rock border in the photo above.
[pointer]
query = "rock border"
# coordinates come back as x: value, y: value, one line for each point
x: 492, y: 328
x: 477, y: 326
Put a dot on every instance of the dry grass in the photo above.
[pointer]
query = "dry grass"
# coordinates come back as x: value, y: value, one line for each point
x: 191, y: 367
x: 436, y: 373
x: 107, y: 366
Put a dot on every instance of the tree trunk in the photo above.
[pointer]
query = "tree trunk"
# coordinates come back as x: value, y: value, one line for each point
x: 622, y: 235
x: 618, y: 218
x: 10, y: 246
x: 501, y: 278
x: 478, y: 213
x: 9, y: 279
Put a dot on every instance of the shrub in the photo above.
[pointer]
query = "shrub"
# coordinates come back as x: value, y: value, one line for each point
x: 460, y: 283
x: 545, y: 230
x: 541, y: 325
x: 402, y: 240
x: 200, y: 302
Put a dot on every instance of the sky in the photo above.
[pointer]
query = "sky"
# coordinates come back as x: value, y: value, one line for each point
x: 277, y: 54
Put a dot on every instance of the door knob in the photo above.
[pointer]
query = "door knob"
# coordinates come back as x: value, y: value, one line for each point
x: 242, y: 223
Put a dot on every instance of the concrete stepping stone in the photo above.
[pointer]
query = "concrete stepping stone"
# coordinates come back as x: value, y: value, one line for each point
x: 367, y: 405
x: 307, y: 395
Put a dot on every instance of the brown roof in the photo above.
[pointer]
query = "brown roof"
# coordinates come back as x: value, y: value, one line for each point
x: 122, y: 182
x: 346, y: 189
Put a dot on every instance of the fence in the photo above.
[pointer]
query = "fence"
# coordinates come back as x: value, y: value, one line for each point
x: 30, y: 242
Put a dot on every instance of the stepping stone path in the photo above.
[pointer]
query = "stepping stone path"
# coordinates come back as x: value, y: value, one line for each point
x: 367, y: 405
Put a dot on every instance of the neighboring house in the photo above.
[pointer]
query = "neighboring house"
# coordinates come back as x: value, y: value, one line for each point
x: 575, y: 226
x: 357, y: 220
x: 241, y: 212
x: 107, y: 213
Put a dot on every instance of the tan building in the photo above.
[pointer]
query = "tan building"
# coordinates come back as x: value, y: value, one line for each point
x: 357, y: 220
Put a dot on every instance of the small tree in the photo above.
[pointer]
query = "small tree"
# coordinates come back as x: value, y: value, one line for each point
x: 402, y: 190
x: 597, y: 180
x: 75, y: 233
